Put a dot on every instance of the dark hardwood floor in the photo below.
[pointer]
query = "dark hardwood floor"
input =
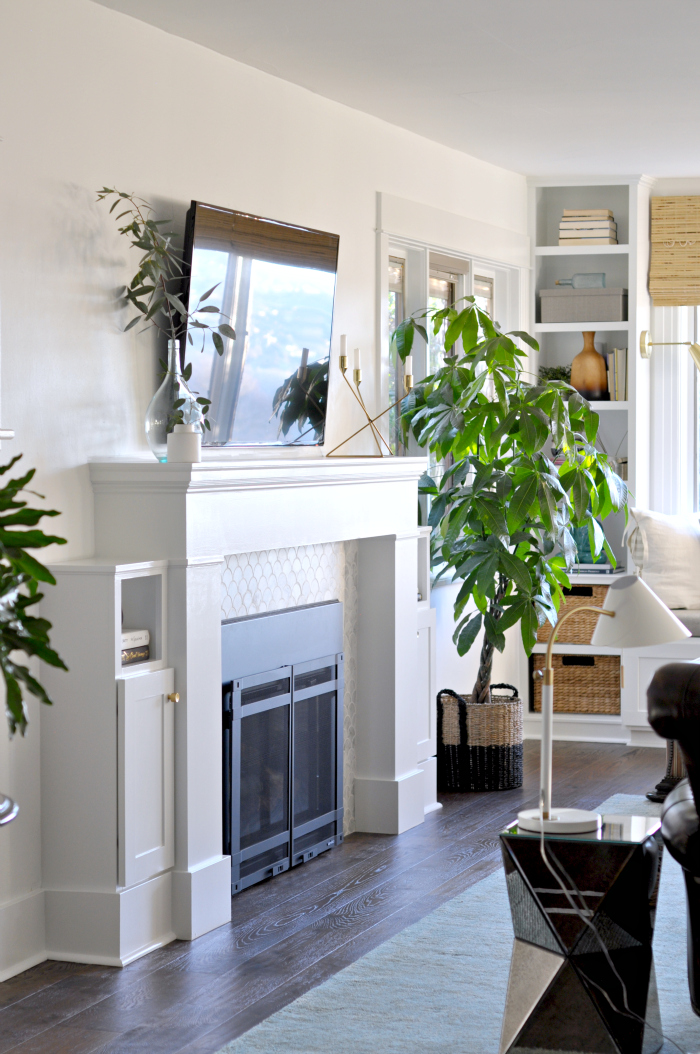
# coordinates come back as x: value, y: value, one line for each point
x: 294, y: 931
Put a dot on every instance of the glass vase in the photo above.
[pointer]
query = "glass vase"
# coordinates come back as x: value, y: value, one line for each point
x: 162, y: 414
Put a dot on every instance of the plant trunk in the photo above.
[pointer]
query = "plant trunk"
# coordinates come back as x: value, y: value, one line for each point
x: 482, y: 687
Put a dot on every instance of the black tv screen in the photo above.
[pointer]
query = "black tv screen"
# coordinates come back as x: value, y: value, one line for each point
x: 275, y: 285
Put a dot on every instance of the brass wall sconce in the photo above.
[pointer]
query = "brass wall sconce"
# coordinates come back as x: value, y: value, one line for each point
x: 646, y: 344
x: 379, y: 439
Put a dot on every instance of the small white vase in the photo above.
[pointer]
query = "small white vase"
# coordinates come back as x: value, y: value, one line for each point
x: 185, y: 444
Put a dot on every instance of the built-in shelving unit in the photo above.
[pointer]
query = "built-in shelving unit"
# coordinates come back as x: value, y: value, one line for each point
x: 624, y: 427
x: 624, y: 424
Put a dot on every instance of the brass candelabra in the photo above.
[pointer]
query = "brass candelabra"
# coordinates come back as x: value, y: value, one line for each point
x: 371, y: 421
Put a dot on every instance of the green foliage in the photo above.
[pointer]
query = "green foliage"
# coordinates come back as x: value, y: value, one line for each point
x: 20, y: 575
x: 554, y: 373
x: 155, y: 290
x: 303, y: 401
x: 503, y: 512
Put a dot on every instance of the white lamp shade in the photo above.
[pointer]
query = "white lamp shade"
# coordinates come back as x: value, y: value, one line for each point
x: 641, y: 619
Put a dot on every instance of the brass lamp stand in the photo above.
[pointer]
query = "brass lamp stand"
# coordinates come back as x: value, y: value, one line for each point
x: 378, y: 437
x: 563, y: 821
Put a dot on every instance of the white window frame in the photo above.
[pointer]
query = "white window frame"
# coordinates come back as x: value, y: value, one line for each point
x: 509, y: 302
x: 674, y: 413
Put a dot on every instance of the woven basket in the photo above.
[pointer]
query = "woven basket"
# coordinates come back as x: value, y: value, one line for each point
x: 579, y: 628
x: 480, y: 745
x: 583, y: 684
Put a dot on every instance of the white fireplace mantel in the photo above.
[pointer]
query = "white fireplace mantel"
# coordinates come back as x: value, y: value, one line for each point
x: 182, y: 521
x: 145, y: 510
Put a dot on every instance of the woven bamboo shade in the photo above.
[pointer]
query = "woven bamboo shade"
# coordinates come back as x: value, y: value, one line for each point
x: 674, y: 272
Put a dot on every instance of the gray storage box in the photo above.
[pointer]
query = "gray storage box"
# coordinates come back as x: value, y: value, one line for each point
x: 565, y: 304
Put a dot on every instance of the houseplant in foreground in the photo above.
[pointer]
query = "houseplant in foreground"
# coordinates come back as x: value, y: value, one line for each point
x: 20, y: 577
x: 503, y: 512
x: 155, y: 293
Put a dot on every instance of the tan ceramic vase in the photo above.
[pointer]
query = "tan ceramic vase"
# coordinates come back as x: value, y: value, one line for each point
x: 589, y: 373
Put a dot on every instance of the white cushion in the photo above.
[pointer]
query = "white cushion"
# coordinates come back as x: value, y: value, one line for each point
x: 666, y: 551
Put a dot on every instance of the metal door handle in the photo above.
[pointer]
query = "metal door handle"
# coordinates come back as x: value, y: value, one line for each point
x: 174, y: 697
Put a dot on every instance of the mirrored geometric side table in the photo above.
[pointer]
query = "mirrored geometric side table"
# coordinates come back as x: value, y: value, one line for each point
x: 582, y: 974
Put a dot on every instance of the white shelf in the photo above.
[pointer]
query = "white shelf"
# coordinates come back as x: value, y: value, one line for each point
x: 580, y: 250
x: 579, y: 327
x: 576, y: 649
x: 609, y: 405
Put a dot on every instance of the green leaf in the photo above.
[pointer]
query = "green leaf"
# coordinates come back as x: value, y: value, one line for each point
x: 218, y: 343
x: 528, y: 628
x: 402, y: 338
x: 209, y: 307
x: 516, y: 570
x: 205, y: 296
x: 465, y: 637
x: 521, y: 502
x: 525, y: 337
x: 227, y: 331
x: 580, y: 496
x: 591, y: 426
x: 493, y: 633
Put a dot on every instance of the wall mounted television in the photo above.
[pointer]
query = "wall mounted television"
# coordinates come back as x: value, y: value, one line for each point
x: 275, y: 286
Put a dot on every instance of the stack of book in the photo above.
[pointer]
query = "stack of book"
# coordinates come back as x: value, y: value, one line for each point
x: 617, y: 374
x: 587, y: 227
x: 135, y: 646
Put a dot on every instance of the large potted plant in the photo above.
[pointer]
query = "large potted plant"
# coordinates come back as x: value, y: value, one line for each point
x: 21, y: 575
x: 522, y: 469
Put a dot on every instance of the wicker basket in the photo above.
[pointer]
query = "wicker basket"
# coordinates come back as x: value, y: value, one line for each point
x: 579, y: 628
x: 583, y: 684
x: 480, y: 745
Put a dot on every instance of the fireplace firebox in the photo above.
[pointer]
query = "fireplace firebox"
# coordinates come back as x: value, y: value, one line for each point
x: 282, y: 696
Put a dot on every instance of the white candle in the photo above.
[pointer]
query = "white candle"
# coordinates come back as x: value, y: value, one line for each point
x: 408, y: 365
x: 343, y: 344
x: 358, y: 359
x: 304, y: 357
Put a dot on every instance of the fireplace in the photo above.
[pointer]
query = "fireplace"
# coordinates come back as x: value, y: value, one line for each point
x: 282, y: 728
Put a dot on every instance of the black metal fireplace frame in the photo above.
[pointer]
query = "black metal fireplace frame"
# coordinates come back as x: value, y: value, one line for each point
x: 307, y: 679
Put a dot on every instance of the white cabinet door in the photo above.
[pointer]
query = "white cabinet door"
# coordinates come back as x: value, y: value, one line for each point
x: 146, y: 747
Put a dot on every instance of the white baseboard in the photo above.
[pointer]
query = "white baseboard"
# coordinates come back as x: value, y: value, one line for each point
x: 111, y: 929
x: 580, y: 728
x: 22, y: 943
x: 202, y: 898
x: 646, y: 737
x: 390, y: 806
x: 429, y: 769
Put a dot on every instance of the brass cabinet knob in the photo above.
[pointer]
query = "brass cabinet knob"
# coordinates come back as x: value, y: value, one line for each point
x: 174, y: 697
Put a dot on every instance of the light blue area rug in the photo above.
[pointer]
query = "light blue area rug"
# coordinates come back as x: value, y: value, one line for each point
x: 440, y: 985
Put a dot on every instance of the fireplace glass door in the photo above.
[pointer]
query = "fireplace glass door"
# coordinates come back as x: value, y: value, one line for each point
x: 283, y: 773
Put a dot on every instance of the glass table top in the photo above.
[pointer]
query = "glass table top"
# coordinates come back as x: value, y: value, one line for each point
x: 622, y: 829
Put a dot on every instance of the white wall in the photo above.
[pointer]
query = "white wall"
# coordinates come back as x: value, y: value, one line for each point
x: 92, y: 97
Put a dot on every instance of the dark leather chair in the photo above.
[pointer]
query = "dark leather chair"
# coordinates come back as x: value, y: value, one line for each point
x: 673, y: 702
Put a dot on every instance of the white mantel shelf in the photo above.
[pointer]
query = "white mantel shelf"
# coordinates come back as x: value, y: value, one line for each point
x: 145, y: 510
x: 257, y: 473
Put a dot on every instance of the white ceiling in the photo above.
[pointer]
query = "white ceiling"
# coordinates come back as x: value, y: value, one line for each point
x: 539, y: 86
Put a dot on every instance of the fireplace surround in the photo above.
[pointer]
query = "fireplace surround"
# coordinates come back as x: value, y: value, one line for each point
x: 175, y: 524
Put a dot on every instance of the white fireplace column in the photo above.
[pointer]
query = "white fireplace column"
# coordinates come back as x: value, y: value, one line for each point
x: 389, y: 787
x: 183, y: 519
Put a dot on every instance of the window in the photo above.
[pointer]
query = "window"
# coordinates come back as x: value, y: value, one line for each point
x: 483, y: 293
x: 397, y: 300
x: 441, y: 293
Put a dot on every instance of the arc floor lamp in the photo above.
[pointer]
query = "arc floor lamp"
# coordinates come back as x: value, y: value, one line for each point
x: 632, y: 617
